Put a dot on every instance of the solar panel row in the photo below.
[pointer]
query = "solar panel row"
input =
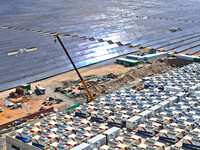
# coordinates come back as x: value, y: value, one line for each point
x: 102, y: 20
x: 194, y: 50
x: 185, y: 47
x: 145, y: 23
x: 49, y: 58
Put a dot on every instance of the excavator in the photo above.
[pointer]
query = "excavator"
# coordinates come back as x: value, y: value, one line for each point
x: 75, y: 68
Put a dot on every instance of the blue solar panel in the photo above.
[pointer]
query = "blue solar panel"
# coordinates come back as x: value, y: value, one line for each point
x: 185, y: 47
x: 194, y: 50
x: 181, y: 43
x: 172, y: 40
x: 49, y: 57
x: 145, y: 23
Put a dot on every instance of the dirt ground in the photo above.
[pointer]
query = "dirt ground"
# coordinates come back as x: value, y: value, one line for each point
x: 58, y: 80
x: 35, y: 102
x: 129, y: 76
x: 197, y: 54
x: 31, y: 105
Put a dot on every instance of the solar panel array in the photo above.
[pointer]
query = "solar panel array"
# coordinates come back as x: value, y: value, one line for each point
x: 193, y: 50
x: 145, y: 23
x: 49, y: 59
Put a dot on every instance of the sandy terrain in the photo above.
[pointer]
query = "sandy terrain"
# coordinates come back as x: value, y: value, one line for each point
x: 30, y: 106
x: 197, y: 54
x: 51, y: 83
x: 96, y: 69
x: 127, y: 75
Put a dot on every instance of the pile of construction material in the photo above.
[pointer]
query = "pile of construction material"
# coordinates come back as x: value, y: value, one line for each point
x: 172, y: 113
x: 76, y: 88
x: 50, y: 101
x: 11, y: 105
x: 20, y: 95
x: 19, y: 92
x: 26, y: 90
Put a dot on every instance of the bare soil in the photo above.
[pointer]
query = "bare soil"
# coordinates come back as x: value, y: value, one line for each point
x: 30, y: 104
x: 129, y: 76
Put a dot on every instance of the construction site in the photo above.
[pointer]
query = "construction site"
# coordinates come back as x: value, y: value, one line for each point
x: 100, y: 75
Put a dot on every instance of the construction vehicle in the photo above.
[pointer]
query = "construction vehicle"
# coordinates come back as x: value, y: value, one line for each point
x: 82, y: 81
x: 40, y: 90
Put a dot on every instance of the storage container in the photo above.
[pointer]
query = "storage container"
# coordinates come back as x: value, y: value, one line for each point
x: 164, y: 105
x: 172, y: 89
x: 137, y: 139
x: 181, y: 96
x: 173, y: 100
x: 192, y: 90
x: 146, y: 129
x: 115, y: 120
x: 99, y: 116
x: 97, y: 141
x: 168, y: 136
x: 197, y: 93
x: 192, y: 142
x: 58, y: 146
x: 155, y: 109
x: 23, y: 135
x: 82, y: 146
x: 128, y: 62
x: 111, y: 133
x: 133, y: 122
x: 145, y: 115
x: 40, y: 142
x: 80, y: 111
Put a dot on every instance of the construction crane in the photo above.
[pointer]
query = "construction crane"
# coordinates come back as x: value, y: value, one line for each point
x: 82, y: 81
